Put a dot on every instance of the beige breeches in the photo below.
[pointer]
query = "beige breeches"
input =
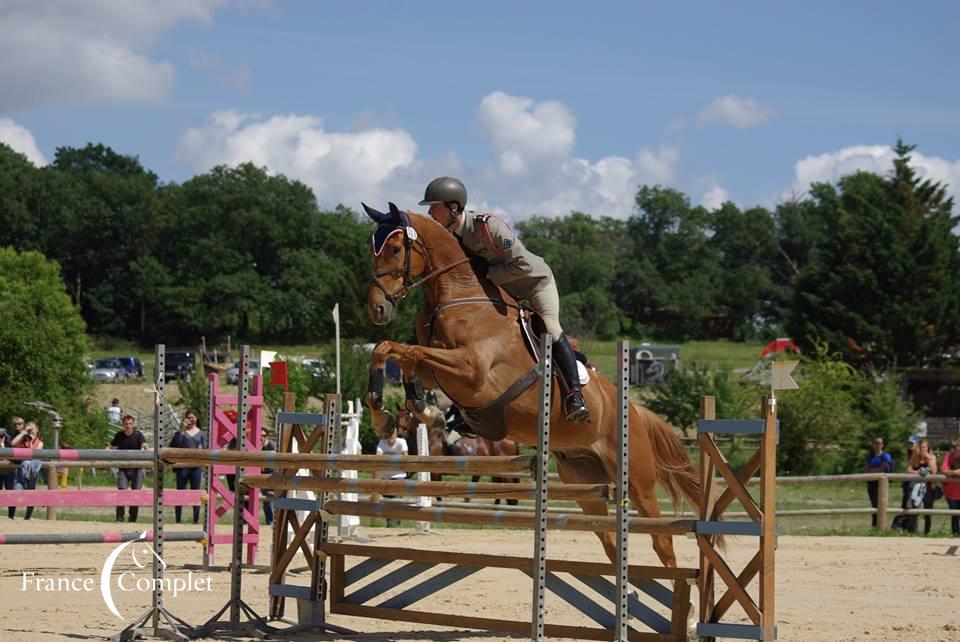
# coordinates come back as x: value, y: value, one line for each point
x: 546, y: 301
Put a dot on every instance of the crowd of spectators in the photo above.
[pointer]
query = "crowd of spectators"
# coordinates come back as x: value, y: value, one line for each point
x: 918, y: 493
x: 24, y: 475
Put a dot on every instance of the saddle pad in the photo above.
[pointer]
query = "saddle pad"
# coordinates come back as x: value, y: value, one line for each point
x: 583, y: 373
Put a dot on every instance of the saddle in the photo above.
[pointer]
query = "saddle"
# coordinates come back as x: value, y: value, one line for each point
x: 490, y: 421
x: 532, y: 327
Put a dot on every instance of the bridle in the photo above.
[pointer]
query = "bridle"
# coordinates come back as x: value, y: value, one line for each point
x: 409, y: 280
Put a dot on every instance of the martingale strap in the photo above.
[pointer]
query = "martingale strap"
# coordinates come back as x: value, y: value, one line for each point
x: 490, y: 421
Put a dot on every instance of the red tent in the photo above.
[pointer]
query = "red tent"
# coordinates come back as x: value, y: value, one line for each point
x: 783, y: 345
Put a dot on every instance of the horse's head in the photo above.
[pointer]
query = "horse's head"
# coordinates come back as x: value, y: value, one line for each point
x: 397, y: 260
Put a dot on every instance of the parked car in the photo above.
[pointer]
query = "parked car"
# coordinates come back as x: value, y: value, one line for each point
x: 179, y: 365
x: 132, y: 366
x: 315, y: 367
x: 233, y: 372
x: 109, y: 371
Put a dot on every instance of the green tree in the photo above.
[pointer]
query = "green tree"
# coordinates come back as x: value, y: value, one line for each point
x: 678, y: 397
x: 881, y: 284
x: 583, y: 254
x: 745, y: 245
x: 827, y: 425
x: 42, y: 345
x: 668, y: 278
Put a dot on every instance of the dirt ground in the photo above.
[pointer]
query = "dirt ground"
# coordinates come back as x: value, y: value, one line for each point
x: 829, y: 589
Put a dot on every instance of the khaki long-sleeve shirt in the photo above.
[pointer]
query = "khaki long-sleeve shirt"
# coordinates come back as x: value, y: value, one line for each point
x: 512, y: 266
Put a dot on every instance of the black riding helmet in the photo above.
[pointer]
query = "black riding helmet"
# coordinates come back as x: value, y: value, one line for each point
x: 444, y: 190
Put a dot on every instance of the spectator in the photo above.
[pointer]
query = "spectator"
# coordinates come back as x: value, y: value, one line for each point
x: 951, y: 489
x: 189, y: 436
x: 129, y: 439
x: 114, y: 412
x: 9, y: 477
x: 267, y: 444
x: 392, y: 445
x: 878, y: 462
x: 922, y: 462
x: 63, y: 473
x: 26, y: 476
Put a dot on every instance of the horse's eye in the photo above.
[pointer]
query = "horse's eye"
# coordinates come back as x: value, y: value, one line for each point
x: 396, y: 249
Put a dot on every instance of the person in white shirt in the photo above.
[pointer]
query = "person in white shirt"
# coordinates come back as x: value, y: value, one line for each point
x: 392, y: 445
x: 114, y: 412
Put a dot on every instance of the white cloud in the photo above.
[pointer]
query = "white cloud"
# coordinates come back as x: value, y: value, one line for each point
x: 537, y: 173
x: 524, y: 133
x: 831, y: 166
x: 734, y: 111
x: 21, y: 140
x: 534, y: 170
x: 340, y: 167
x: 714, y: 197
x: 81, y: 52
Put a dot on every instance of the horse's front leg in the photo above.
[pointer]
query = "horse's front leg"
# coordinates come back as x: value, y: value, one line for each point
x: 454, y: 366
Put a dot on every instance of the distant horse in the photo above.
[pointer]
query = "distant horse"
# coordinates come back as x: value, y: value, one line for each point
x: 464, y: 446
x: 471, y: 348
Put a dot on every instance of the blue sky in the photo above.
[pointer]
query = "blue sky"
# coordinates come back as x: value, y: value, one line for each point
x: 541, y: 107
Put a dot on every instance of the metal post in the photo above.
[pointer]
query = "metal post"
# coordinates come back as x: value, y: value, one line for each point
x: 160, y: 355
x: 623, y: 469
x: 176, y: 629
x: 543, y: 458
x: 236, y: 574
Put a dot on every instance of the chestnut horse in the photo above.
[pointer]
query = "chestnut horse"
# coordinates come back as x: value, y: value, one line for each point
x: 472, y: 349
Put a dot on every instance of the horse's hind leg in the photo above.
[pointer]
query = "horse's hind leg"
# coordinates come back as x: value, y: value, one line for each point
x: 586, y: 468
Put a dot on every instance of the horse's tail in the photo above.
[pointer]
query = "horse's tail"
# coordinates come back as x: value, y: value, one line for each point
x: 675, y: 471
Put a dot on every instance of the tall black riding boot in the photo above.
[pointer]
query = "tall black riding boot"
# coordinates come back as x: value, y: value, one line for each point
x: 574, y: 406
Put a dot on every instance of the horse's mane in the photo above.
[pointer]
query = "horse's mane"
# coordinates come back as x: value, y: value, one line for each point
x: 444, y: 249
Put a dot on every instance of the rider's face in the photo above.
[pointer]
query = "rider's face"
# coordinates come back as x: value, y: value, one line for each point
x: 441, y: 214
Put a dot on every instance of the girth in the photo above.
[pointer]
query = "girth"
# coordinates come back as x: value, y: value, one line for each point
x: 490, y: 421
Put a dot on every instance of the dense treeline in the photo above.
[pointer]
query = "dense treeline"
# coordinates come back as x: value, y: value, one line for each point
x: 869, y: 265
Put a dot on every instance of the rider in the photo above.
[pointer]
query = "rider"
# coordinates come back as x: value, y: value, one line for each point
x: 520, y: 272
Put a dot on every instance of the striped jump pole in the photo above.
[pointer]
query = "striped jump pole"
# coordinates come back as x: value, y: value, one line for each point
x: 98, y: 497
x: 268, y: 459
x: 317, y: 461
x: 416, y: 488
x: 66, y: 454
x: 100, y: 538
x: 508, y: 519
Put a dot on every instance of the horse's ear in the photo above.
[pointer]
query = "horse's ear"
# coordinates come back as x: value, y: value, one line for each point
x: 399, y: 215
x: 378, y: 217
